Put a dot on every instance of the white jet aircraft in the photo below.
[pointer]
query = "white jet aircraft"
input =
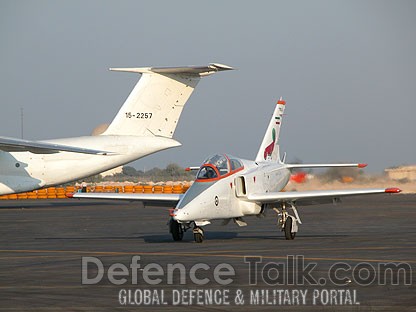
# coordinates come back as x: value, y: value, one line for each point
x: 144, y: 125
x: 229, y: 188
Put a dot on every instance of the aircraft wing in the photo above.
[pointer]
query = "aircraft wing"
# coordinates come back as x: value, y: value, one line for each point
x: 314, y: 197
x: 38, y: 147
x: 295, y: 166
x: 147, y: 199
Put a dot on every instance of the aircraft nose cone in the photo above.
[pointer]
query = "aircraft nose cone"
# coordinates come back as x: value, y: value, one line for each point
x: 180, y: 215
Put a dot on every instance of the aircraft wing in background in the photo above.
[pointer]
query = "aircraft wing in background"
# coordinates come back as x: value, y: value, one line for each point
x: 314, y: 197
x: 37, y: 147
x: 146, y: 199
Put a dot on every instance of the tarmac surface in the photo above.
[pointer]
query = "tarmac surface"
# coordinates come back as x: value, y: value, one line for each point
x: 356, y: 256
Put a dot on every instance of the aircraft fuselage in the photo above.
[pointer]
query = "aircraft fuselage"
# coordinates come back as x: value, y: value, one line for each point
x: 24, y: 171
x: 227, y: 197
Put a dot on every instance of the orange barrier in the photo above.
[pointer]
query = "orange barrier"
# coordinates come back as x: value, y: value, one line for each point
x: 99, y: 189
x: 22, y: 196
x: 32, y: 195
x: 70, y: 189
x: 60, y: 192
x: 177, y: 189
x: 138, y: 188
x: 128, y: 189
x: 167, y: 189
x: 109, y: 188
x: 51, y: 190
x: 147, y: 189
x: 158, y: 189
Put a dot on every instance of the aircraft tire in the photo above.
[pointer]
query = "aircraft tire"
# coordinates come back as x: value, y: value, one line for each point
x: 176, y: 230
x: 198, y: 237
x: 288, y: 229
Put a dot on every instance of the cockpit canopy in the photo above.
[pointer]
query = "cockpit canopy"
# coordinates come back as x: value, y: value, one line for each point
x: 218, y: 166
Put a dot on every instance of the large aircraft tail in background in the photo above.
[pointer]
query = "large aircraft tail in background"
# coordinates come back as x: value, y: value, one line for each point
x: 154, y: 106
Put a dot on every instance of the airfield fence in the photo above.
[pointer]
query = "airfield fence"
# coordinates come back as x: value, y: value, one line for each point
x: 61, y: 192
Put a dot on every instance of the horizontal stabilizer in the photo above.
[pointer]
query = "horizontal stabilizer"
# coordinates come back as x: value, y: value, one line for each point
x: 38, y: 147
x: 192, y: 168
x: 190, y: 70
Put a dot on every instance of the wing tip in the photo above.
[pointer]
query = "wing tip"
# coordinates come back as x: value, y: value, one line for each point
x: 362, y: 165
x: 392, y: 190
x: 70, y: 195
x: 220, y: 66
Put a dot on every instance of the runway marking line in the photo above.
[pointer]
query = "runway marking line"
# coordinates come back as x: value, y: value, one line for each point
x: 321, y: 249
x: 33, y: 256
x: 202, y: 254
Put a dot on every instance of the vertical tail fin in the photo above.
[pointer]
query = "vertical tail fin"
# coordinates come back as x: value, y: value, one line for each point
x: 154, y: 106
x: 269, y: 148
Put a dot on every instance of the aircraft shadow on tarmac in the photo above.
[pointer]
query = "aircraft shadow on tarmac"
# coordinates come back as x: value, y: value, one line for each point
x: 219, y: 236
x: 212, y: 236
x: 88, y: 238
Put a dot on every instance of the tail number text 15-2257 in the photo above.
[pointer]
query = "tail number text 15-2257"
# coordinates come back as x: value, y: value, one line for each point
x: 139, y: 115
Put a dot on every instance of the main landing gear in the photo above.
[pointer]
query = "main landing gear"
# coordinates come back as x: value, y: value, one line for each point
x: 288, y: 228
x: 286, y: 222
x: 176, y: 229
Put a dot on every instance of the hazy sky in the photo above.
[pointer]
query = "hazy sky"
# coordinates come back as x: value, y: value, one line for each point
x: 347, y: 70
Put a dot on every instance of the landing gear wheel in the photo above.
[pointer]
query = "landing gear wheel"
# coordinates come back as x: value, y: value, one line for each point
x: 198, y: 235
x: 199, y: 238
x: 288, y: 229
x: 176, y: 230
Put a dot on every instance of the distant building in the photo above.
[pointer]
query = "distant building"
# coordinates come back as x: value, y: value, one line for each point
x: 403, y: 172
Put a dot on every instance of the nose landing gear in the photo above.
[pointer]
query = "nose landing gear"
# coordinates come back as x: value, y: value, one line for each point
x: 198, y: 234
x: 177, y: 230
